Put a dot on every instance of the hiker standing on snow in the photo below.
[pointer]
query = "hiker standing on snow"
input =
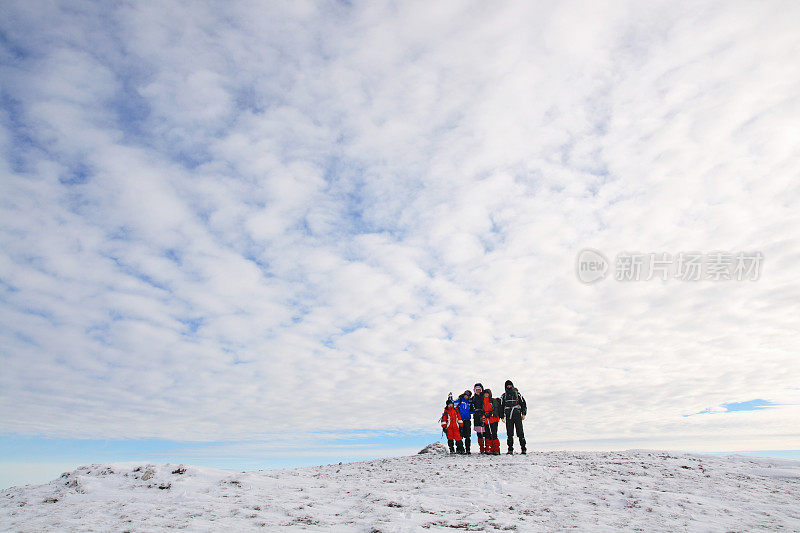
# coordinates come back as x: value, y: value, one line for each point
x: 491, y: 416
x: 451, y: 424
x: 513, y: 410
x: 465, y: 409
x: 477, y: 412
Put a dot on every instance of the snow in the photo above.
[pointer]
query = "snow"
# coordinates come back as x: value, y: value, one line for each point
x: 603, y: 491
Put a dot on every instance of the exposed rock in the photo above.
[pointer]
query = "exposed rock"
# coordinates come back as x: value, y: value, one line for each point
x: 435, y: 448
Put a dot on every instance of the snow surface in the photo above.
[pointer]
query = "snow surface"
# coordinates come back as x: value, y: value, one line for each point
x: 632, y: 490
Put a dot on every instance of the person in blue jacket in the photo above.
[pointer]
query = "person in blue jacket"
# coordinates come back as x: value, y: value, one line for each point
x: 465, y: 409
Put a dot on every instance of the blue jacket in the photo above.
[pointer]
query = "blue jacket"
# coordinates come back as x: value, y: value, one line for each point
x: 464, y: 406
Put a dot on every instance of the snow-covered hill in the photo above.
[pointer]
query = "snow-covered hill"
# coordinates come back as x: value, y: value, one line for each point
x: 631, y: 490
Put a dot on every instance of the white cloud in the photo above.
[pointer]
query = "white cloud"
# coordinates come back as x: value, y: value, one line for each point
x: 222, y: 225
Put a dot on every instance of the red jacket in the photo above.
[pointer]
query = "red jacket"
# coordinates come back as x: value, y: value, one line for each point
x: 489, y: 411
x: 451, y: 423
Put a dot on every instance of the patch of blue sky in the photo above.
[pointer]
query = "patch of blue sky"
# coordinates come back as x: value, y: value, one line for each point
x: 330, y: 340
x: 27, y: 339
x: 77, y: 174
x: 175, y: 255
x: 120, y: 233
x: 98, y: 331
x: 40, y: 313
x: 353, y: 326
x: 192, y: 324
x: 248, y: 98
x: 25, y: 151
x: 749, y: 405
x: 346, y: 181
x: 193, y: 156
x: 774, y: 454
x: 131, y: 111
x: 263, y: 266
x: 6, y: 287
x: 12, y: 49
x: 129, y: 270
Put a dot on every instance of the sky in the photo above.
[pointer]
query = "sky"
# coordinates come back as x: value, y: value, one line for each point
x: 289, y: 229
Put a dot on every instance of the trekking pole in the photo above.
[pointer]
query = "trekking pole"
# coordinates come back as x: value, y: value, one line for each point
x: 444, y: 435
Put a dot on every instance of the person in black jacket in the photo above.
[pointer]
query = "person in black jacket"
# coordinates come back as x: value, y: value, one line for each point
x: 513, y: 411
x: 477, y: 415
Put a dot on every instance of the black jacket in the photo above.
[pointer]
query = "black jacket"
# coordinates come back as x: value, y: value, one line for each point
x: 477, y: 405
x: 513, y: 402
x: 497, y: 405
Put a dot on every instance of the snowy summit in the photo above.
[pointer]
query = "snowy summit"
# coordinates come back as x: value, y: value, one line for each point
x: 604, y: 491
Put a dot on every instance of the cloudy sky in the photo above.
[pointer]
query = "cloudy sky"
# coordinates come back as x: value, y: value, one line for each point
x: 275, y: 222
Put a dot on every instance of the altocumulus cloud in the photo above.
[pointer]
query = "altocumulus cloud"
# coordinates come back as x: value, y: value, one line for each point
x: 226, y: 221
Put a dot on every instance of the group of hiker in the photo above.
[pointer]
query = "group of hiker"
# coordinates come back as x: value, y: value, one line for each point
x: 486, y: 411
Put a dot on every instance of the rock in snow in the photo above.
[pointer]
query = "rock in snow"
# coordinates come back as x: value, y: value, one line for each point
x: 434, y: 447
x: 602, y: 491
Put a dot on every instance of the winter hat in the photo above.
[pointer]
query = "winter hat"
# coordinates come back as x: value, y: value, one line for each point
x: 508, y: 382
x: 489, y: 391
x: 467, y: 393
x: 448, y: 402
x: 477, y: 385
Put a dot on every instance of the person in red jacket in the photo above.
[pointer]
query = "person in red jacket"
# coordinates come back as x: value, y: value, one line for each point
x: 491, y: 414
x: 451, y: 424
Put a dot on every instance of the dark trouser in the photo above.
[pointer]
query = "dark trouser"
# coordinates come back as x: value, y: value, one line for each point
x: 459, y: 446
x: 466, y: 431
x: 490, y: 430
x: 515, y: 422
